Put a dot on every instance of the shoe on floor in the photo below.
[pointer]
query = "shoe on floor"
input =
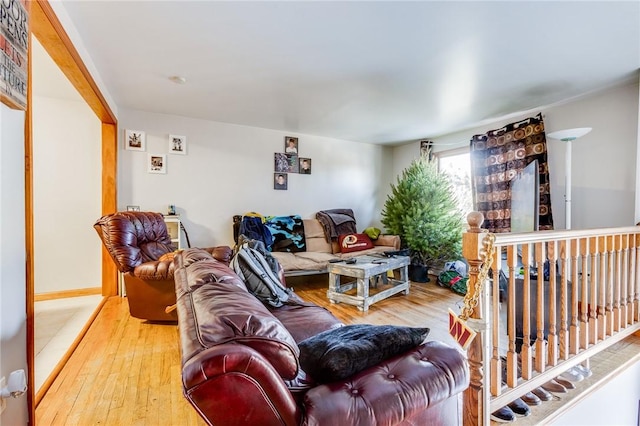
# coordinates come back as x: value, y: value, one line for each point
x: 566, y: 383
x: 503, y: 415
x: 554, y: 387
x: 586, y: 372
x: 531, y: 399
x: 519, y: 407
x: 572, y: 375
x: 542, y: 394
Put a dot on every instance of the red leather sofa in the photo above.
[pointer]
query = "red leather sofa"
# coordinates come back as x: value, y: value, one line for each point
x: 240, y: 362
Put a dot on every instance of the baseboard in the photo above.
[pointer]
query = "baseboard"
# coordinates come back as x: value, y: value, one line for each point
x: 78, y: 292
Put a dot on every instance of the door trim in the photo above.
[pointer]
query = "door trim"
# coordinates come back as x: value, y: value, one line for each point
x: 46, y: 27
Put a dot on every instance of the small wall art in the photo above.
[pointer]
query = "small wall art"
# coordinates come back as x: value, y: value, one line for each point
x: 305, y: 166
x: 280, y: 181
x: 280, y: 162
x: 134, y: 140
x: 291, y: 145
x: 292, y: 159
x: 133, y: 208
x: 157, y: 163
x: 177, y: 144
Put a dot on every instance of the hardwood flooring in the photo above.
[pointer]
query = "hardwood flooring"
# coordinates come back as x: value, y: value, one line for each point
x: 127, y: 371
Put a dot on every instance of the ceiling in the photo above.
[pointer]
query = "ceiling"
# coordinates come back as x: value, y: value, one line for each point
x: 378, y: 72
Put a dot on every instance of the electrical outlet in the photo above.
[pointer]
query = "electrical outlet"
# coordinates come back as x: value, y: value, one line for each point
x: 3, y: 402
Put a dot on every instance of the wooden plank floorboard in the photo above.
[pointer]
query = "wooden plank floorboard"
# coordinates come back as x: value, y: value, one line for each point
x: 127, y: 371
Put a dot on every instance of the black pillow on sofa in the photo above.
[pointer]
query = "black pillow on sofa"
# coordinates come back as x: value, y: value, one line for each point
x: 341, y: 352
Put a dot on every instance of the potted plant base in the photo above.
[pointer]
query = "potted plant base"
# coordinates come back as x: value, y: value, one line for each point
x: 419, y: 273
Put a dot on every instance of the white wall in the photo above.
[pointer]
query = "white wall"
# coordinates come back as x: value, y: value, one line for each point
x: 615, y: 403
x: 13, y: 315
x: 67, y: 175
x: 229, y: 170
x: 604, y: 161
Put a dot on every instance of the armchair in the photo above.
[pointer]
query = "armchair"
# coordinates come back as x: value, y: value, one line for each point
x: 140, y: 246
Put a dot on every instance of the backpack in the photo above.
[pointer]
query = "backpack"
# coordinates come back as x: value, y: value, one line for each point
x: 253, y: 228
x: 260, y: 272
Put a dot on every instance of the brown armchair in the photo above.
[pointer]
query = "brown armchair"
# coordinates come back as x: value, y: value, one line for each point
x: 141, y: 248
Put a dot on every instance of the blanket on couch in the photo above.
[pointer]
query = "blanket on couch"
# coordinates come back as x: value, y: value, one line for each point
x: 336, y: 222
x: 287, y: 232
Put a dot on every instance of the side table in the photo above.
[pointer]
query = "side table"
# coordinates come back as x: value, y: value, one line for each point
x: 366, y: 269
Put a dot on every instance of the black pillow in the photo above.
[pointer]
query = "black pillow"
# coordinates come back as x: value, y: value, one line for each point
x: 341, y: 352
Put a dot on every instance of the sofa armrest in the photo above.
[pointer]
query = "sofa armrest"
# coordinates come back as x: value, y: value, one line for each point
x: 155, y: 270
x: 221, y: 253
x: 400, y: 389
x: 234, y: 384
x: 388, y: 240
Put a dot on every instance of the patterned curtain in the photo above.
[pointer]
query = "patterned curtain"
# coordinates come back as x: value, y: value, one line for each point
x: 496, y: 158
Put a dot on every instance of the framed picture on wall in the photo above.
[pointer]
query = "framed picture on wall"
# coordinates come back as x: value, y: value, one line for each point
x: 280, y: 181
x: 157, y: 163
x: 133, y: 208
x: 280, y: 162
x: 305, y: 166
x: 291, y: 145
x: 177, y: 144
x: 134, y: 140
x: 292, y: 159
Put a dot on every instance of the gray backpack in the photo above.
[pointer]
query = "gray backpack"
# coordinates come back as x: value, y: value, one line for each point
x: 260, y: 271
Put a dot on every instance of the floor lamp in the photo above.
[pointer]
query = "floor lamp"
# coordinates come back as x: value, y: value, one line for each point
x: 568, y: 136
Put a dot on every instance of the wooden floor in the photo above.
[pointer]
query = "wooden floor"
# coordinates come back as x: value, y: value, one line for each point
x: 127, y: 371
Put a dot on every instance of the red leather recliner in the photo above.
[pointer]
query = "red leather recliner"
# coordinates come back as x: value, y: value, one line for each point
x: 140, y: 245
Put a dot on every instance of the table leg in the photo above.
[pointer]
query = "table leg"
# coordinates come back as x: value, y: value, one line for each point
x: 404, y: 276
x: 334, y: 284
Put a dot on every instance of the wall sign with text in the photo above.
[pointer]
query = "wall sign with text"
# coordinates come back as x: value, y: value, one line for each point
x: 14, y: 46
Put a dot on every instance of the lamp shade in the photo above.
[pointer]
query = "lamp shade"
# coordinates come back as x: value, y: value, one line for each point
x: 569, y: 134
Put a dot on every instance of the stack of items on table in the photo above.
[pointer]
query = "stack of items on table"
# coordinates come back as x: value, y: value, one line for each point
x: 305, y: 246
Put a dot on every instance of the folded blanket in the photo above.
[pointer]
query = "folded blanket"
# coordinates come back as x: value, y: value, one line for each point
x: 336, y: 222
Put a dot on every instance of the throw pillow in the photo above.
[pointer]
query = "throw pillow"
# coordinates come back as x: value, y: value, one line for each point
x: 341, y: 352
x: 372, y: 232
x: 354, y: 242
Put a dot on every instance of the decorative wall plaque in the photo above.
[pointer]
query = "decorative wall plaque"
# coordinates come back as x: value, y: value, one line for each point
x: 14, y: 47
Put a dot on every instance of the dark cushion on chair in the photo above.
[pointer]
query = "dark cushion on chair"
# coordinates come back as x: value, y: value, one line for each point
x: 339, y: 353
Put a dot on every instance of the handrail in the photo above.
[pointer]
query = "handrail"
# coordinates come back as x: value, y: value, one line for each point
x: 556, y: 299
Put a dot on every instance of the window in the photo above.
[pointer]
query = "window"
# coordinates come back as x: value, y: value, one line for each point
x: 457, y: 164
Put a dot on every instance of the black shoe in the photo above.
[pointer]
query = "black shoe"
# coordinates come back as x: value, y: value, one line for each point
x: 520, y: 408
x: 503, y: 415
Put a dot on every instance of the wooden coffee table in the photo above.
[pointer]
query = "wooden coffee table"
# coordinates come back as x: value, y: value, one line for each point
x: 367, y: 270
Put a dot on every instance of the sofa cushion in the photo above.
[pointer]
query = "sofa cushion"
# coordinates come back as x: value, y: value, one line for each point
x: 314, y: 236
x: 304, y: 319
x: 341, y: 352
x: 354, y: 242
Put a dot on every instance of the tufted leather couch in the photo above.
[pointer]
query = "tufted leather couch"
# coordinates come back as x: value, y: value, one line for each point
x: 240, y: 362
x: 140, y: 246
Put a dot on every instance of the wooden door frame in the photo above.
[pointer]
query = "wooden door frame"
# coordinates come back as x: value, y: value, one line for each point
x: 46, y: 27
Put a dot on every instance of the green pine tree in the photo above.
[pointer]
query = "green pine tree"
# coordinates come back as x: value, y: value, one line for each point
x: 423, y: 210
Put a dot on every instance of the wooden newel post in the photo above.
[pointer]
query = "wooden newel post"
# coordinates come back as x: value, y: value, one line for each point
x: 475, y: 400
